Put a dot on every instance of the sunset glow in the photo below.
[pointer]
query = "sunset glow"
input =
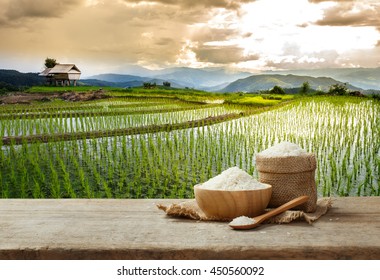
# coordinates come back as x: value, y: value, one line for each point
x: 109, y: 36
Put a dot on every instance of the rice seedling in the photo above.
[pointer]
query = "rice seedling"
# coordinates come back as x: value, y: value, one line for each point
x: 343, y: 133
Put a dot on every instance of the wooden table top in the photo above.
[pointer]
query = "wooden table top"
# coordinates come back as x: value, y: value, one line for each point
x: 136, y: 229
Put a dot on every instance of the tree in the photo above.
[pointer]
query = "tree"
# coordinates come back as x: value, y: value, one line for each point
x: 305, y: 88
x: 50, y: 62
x: 166, y: 84
x: 338, y: 89
x: 277, y: 90
x: 149, y: 85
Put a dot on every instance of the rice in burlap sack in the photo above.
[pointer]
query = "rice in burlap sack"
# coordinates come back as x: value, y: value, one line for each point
x: 290, y: 177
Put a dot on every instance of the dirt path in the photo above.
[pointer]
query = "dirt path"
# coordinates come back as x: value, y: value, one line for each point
x: 69, y: 114
x: 28, y: 98
x: 24, y: 98
x: 17, y: 140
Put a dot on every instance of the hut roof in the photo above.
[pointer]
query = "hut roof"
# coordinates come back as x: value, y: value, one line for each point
x: 45, y: 72
x: 60, y: 69
x: 64, y: 68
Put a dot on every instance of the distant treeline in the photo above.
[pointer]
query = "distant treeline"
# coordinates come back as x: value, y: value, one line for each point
x: 12, y: 80
x: 336, y: 89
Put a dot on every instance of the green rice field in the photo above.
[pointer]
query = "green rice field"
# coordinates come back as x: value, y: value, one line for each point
x: 194, y: 142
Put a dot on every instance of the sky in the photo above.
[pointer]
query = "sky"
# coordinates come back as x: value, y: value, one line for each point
x: 111, y: 36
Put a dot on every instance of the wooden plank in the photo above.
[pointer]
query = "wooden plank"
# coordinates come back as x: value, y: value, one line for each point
x: 136, y: 229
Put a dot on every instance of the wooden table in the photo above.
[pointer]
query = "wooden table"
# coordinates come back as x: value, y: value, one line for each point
x: 136, y: 229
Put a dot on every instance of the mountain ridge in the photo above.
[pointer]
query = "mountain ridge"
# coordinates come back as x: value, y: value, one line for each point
x: 126, y: 80
x: 260, y: 82
x: 217, y: 79
x: 200, y: 78
x: 365, y: 78
x: 16, y: 78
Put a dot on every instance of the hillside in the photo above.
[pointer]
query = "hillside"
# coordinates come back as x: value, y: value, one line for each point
x: 204, y: 78
x: 265, y: 82
x: 366, y: 78
x: 117, y: 78
x: 210, y: 79
x: 120, y: 80
x: 18, y: 79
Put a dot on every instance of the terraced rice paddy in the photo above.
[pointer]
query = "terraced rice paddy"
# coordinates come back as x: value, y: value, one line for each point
x: 176, y: 144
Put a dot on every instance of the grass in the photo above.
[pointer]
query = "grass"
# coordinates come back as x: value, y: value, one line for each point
x: 59, y: 89
x: 256, y: 100
x: 188, y: 95
x: 260, y: 100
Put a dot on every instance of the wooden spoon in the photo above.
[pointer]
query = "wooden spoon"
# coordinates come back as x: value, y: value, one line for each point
x: 256, y: 221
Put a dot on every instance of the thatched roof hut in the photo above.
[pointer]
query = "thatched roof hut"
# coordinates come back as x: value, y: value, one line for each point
x: 62, y: 74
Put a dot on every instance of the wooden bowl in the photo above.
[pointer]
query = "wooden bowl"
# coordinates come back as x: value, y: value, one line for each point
x: 229, y: 204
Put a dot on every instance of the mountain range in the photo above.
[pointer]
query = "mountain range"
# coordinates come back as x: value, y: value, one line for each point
x: 219, y: 79
x: 268, y: 81
x: 205, y: 78
x: 16, y: 78
x: 365, y: 78
x: 119, y: 80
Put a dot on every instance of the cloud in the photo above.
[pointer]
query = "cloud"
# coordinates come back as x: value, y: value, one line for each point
x: 151, y: 32
x: 105, y: 33
x: 222, y: 54
x: 303, y: 25
x: 324, y: 59
x: 207, y: 34
x: 355, y: 58
x: 160, y: 33
x: 164, y: 41
x: 351, y: 13
x: 320, y: 1
x: 293, y: 57
x: 218, y: 39
x: 227, y: 4
x: 17, y: 9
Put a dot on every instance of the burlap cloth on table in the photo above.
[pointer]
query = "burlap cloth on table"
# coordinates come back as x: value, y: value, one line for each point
x: 190, y: 209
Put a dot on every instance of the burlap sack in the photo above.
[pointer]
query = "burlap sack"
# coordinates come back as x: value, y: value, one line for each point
x: 290, y: 177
